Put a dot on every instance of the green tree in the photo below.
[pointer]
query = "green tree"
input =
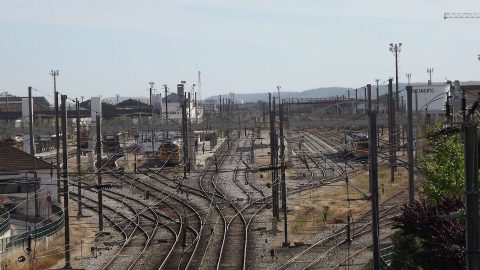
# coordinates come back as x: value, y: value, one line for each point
x: 443, y: 166
x: 427, y: 238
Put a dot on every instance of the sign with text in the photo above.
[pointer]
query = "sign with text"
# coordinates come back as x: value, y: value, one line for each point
x: 430, y: 97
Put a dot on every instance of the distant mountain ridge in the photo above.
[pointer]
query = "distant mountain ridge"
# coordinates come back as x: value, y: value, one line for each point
x: 311, y: 93
x: 322, y: 92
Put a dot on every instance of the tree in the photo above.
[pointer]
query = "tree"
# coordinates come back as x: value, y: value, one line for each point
x: 443, y: 166
x: 428, y: 238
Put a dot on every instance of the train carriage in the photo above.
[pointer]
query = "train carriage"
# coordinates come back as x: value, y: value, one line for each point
x: 170, y: 152
x: 356, y: 145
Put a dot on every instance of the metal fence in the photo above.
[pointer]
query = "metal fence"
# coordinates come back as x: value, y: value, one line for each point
x: 386, y: 256
x: 46, y: 230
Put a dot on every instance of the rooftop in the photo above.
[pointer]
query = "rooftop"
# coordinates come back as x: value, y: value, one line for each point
x: 15, y: 160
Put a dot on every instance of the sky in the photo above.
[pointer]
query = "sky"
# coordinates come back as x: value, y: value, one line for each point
x: 116, y: 47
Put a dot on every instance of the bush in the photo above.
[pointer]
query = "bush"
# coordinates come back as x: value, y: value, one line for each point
x: 428, y: 238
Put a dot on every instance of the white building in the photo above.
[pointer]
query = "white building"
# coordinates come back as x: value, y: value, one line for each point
x: 430, y: 97
x: 174, y: 106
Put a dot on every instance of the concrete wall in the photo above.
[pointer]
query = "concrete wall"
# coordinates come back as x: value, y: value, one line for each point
x: 48, y: 189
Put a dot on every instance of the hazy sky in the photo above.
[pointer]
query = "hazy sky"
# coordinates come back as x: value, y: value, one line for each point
x: 117, y: 47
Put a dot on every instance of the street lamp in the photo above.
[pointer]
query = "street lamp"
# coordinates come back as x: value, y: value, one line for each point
x: 395, y: 49
x: 430, y: 71
x: 278, y: 90
x: 54, y: 74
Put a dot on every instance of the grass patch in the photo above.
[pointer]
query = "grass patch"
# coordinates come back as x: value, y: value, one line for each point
x: 309, y: 206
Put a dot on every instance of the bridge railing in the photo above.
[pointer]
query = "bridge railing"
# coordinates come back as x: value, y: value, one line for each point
x: 5, y: 224
x: 42, y: 231
x: 386, y: 254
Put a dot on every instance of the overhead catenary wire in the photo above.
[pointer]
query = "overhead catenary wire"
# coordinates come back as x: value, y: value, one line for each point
x: 274, y: 182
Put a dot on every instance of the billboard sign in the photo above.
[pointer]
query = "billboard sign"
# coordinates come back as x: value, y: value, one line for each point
x: 430, y: 97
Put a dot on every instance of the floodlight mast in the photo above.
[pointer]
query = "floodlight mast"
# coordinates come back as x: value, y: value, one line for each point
x: 395, y: 49
x: 430, y: 71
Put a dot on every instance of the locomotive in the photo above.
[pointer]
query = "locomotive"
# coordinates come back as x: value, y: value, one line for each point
x: 170, y: 152
x: 356, y: 145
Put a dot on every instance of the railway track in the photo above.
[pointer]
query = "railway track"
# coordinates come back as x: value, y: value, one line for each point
x: 211, y: 228
x: 128, y: 220
x: 327, y: 248
x: 232, y: 236
x: 165, y: 218
x: 325, y: 251
x: 178, y: 211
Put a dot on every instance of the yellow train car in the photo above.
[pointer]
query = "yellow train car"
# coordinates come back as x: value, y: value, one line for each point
x: 356, y: 145
x: 170, y: 152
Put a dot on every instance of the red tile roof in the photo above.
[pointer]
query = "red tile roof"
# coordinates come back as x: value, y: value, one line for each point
x: 14, y: 160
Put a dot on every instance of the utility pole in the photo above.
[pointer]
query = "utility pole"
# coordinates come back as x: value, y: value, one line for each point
x: 199, y: 87
x: 184, y: 134
x: 54, y: 74
x: 378, y: 106
x: 65, y: 184
x: 409, y: 76
x: 374, y: 188
x: 191, y: 144
x: 395, y: 49
x: 356, y: 99
x: 448, y: 108
x: 411, y: 180
x: 220, y: 105
x: 152, y: 122
x: 166, y: 106
x: 369, y: 97
x: 79, y: 152
x: 283, y: 176
x: 196, y: 111
x: 430, y: 71
x: 416, y: 105
x: 471, y: 196
x: 275, y: 160
x: 272, y: 155
x: 369, y: 94
x: 365, y: 100
x: 391, y: 131
x: 99, y: 174
x: 32, y: 146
